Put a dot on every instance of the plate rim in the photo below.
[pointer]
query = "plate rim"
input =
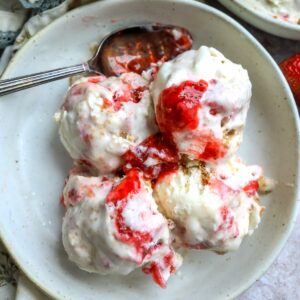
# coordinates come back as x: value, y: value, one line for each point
x: 291, y: 104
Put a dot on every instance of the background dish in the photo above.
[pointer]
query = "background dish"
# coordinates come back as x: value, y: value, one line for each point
x: 262, y: 21
x: 36, y: 163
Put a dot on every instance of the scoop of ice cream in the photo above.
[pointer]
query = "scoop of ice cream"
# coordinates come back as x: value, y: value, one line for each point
x: 113, y: 226
x: 103, y: 118
x: 201, y: 101
x: 213, y: 206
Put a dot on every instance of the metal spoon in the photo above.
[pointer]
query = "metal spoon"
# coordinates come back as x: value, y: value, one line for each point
x: 129, y: 49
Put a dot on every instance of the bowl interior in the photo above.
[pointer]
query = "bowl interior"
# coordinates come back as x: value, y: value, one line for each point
x: 35, y: 163
x: 251, y: 12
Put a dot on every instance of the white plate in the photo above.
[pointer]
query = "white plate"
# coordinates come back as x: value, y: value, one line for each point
x: 261, y: 20
x: 34, y: 164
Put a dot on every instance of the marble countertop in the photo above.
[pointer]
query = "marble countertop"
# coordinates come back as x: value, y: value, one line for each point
x: 282, y: 280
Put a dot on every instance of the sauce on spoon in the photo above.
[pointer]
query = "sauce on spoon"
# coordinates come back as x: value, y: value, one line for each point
x: 135, y: 49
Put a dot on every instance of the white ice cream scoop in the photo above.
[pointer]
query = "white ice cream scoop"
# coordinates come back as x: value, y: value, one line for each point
x: 213, y: 206
x: 201, y: 100
x: 102, y: 118
x: 113, y: 226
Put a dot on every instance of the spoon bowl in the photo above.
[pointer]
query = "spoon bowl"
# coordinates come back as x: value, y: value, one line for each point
x: 136, y: 48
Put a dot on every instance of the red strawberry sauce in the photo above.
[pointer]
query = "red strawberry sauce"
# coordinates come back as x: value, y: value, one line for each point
x: 128, y: 94
x: 119, y: 197
x: 158, y: 149
x: 135, y: 51
x: 177, y: 110
x: 178, y: 106
x: 251, y: 188
x: 155, y: 269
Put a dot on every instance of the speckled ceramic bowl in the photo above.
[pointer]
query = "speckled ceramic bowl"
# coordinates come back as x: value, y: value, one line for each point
x: 34, y: 164
x: 261, y: 20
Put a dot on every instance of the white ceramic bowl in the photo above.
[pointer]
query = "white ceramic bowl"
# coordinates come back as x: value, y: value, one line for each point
x: 261, y: 20
x: 34, y: 164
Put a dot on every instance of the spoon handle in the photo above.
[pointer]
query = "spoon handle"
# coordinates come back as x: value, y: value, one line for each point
x: 12, y: 85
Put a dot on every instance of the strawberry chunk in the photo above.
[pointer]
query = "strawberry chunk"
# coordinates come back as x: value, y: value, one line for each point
x: 291, y: 70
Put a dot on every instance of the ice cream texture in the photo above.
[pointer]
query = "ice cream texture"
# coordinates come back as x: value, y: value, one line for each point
x: 156, y: 165
x: 213, y: 206
x: 102, y: 118
x: 113, y: 226
x: 201, y: 101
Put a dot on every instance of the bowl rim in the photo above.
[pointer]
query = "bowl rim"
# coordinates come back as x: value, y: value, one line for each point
x: 291, y: 103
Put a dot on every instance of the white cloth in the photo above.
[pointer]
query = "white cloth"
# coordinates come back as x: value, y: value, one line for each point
x: 20, y: 24
x: 12, y: 15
